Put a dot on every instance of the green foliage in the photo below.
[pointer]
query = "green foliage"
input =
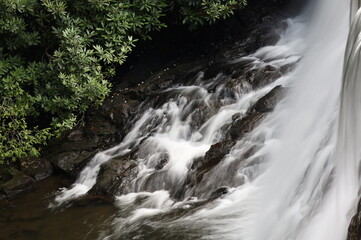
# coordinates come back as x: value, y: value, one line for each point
x: 56, y: 57
x: 197, y: 12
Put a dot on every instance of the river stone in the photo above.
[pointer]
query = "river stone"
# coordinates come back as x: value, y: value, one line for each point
x: 38, y: 168
x: 114, y: 176
x: 17, y: 183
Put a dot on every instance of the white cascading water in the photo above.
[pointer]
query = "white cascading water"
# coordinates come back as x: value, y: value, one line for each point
x: 301, y: 183
x: 170, y: 129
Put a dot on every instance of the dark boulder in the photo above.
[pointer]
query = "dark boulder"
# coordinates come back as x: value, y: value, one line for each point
x: 115, y: 176
x: 234, y: 68
x: 70, y: 162
x: 15, y: 182
x: 38, y: 168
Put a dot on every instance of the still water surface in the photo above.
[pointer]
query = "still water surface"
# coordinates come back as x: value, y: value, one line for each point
x: 29, y: 218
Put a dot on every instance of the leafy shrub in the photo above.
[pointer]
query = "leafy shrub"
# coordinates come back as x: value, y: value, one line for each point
x: 198, y: 12
x: 56, y: 57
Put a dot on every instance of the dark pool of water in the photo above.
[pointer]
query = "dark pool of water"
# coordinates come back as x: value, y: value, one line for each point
x: 28, y: 216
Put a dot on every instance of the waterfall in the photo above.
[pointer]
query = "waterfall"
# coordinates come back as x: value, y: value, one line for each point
x: 302, y: 179
x: 355, y: 5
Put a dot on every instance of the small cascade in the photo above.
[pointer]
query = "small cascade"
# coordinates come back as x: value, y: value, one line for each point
x: 169, y: 136
x: 88, y: 175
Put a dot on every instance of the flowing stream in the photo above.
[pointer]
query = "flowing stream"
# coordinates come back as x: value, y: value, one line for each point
x: 301, y: 179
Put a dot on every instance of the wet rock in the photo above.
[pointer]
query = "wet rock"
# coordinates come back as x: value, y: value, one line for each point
x: 71, y: 162
x: 235, y: 68
x: 268, y: 102
x: 117, y: 108
x: 219, y: 193
x: 254, y: 78
x: 243, y: 125
x: 115, y: 176
x: 227, y: 93
x: 200, y: 115
x: 240, y: 126
x: 261, y: 77
x: 161, y: 98
x: 216, y: 179
x: 213, y: 156
x: 354, y: 229
x: 167, y: 83
x: 101, y: 128
x: 38, y: 168
x: 162, y: 162
x: 18, y: 182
